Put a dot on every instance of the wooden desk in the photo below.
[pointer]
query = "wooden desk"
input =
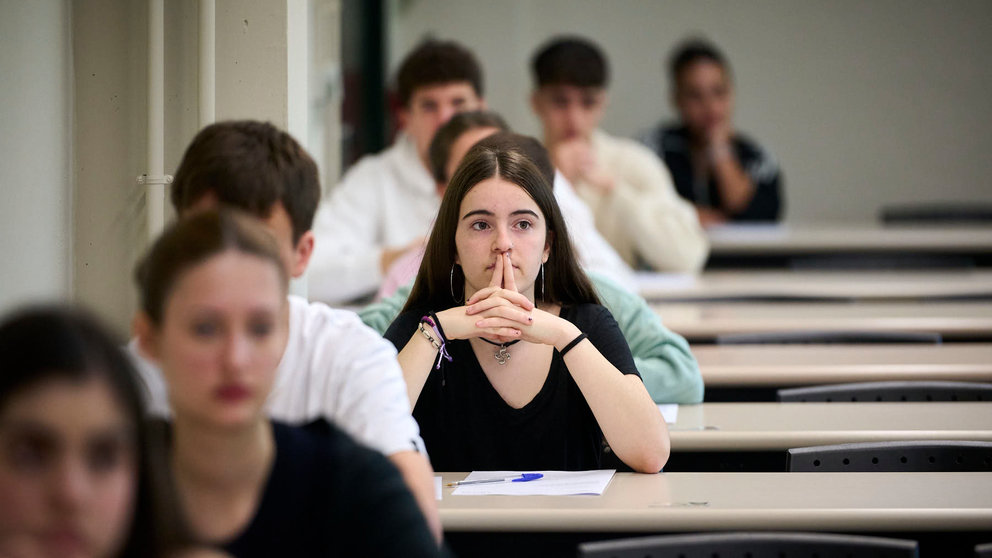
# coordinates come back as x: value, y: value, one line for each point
x: 785, y: 285
x: 744, y: 427
x: 844, y: 237
x: 703, y: 322
x: 797, y: 365
x: 906, y: 502
x: 862, y: 246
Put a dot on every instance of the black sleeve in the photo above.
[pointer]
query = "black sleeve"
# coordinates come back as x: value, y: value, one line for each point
x: 598, y: 323
x: 766, y: 205
x: 398, y: 333
x: 384, y: 515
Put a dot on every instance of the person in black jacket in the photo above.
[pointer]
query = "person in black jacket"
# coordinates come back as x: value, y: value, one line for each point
x: 726, y: 175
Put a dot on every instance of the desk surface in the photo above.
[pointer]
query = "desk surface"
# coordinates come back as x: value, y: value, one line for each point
x: 780, y: 426
x: 697, y: 321
x: 722, y: 285
x: 797, y: 365
x: 730, y: 501
x: 842, y: 237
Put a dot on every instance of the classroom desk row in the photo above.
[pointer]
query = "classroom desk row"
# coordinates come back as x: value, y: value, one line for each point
x: 704, y: 322
x: 761, y: 285
x: 757, y: 372
x: 845, y: 237
x: 947, y: 513
x: 726, y: 501
x: 796, y: 246
x: 742, y: 427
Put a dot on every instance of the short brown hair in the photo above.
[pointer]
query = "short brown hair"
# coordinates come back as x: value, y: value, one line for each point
x: 436, y: 62
x: 249, y: 165
x: 570, y: 61
x: 193, y: 240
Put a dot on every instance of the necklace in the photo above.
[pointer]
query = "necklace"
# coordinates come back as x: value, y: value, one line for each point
x: 501, y: 355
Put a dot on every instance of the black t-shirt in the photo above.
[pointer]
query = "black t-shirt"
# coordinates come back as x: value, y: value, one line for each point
x: 467, y: 426
x: 672, y: 145
x: 329, y: 496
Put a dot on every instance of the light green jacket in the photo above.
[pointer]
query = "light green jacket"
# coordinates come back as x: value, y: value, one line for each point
x: 668, y: 369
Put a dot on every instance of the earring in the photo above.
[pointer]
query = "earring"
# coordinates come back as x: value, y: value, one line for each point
x: 542, y: 282
x: 451, y: 282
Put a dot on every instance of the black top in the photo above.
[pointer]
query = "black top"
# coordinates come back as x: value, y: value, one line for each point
x: 672, y: 145
x: 467, y: 426
x: 329, y: 496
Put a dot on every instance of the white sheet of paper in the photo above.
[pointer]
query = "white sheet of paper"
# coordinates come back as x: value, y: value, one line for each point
x: 438, y: 494
x: 554, y: 483
x: 670, y: 411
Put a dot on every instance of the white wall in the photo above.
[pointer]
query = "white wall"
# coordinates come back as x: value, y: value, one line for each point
x: 35, y: 120
x: 863, y: 103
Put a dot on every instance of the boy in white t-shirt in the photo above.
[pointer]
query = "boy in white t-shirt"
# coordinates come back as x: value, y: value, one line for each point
x: 334, y: 366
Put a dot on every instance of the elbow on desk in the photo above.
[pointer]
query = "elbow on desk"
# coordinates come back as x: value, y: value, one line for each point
x: 650, y: 459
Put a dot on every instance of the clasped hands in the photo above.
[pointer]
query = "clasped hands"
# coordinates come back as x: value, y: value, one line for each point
x: 500, y: 313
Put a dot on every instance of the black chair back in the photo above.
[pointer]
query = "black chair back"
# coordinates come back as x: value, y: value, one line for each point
x: 888, y: 392
x: 892, y: 457
x: 753, y: 545
x: 937, y: 214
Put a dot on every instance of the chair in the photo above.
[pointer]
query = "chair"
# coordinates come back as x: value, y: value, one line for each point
x: 752, y: 545
x: 888, y: 391
x: 828, y: 337
x: 892, y: 457
x: 937, y: 214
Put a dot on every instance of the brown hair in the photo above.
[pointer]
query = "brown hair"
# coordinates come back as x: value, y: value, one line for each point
x: 564, y: 280
x: 570, y: 61
x: 453, y: 129
x: 436, y: 62
x: 251, y: 166
x: 41, y: 344
x: 193, y: 240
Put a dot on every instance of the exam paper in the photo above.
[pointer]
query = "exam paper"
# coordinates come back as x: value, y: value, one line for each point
x: 670, y: 411
x: 554, y: 483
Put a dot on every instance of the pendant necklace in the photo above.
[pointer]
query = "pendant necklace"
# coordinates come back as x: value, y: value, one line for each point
x: 501, y: 355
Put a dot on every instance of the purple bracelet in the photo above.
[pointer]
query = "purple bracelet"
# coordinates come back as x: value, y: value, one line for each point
x: 443, y: 349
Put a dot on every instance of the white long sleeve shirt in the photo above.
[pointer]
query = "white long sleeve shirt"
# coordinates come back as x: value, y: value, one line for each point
x: 387, y: 200
x: 643, y: 217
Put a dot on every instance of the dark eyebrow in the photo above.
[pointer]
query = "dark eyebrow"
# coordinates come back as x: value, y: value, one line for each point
x: 485, y: 212
x: 488, y: 213
x: 526, y: 212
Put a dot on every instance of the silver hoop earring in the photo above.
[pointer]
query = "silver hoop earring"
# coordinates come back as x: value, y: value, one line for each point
x: 451, y: 282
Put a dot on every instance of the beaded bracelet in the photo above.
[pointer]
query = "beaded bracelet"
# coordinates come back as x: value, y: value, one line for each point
x: 441, y: 343
x: 429, y: 337
x: 578, y: 339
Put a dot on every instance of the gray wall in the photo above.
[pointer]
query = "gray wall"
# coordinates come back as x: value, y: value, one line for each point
x: 35, y: 152
x: 863, y: 103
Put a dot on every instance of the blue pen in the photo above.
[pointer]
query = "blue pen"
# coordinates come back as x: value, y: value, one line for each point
x: 524, y: 477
